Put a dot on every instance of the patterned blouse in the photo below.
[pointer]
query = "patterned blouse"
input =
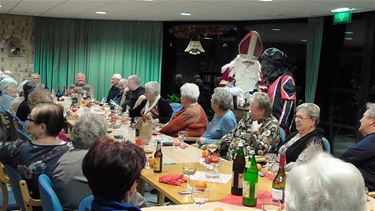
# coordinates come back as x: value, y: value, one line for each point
x: 32, y: 160
x: 263, y: 141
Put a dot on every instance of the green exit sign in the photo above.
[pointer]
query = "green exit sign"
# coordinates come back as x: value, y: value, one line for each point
x: 342, y: 17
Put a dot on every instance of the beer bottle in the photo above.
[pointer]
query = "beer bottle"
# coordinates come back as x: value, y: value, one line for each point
x: 158, y: 156
x: 278, y: 184
x: 249, y: 193
x: 238, y: 170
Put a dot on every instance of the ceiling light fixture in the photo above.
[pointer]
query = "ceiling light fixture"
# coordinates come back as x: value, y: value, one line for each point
x: 185, y: 13
x: 148, y: 0
x: 342, y: 9
x: 349, y: 32
x: 348, y: 38
x: 304, y: 40
x: 0, y: 5
x: 276, y: 29
x: 101, y: 12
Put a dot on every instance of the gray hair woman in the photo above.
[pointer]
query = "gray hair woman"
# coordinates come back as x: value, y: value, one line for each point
x: 224, y: 119
x: 191, y: 118
x: 9, y: 92
x: 317, y: 186
x: 302, y: 145
x: 154, y: 104
x: 88, y: 128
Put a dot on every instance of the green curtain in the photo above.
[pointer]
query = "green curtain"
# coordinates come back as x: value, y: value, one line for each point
x: 314, y: 43
x: 98, y: 48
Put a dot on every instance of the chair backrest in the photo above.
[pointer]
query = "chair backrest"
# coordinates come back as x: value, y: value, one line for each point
x: 281, y: 135
x: 6, y: 194
x: 47, y: 194
x: 20, y: 190
x: 85, y: 204
x: 176, y: 107
x: 326, y: 144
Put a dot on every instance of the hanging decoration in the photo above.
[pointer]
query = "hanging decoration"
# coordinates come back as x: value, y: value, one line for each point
x: 194, y: 47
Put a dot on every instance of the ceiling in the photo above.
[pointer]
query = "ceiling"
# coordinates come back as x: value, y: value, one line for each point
x: 169, y: 10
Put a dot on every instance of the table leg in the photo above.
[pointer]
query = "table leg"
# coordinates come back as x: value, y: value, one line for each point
x: 161, y: 199
x: 141, y: 187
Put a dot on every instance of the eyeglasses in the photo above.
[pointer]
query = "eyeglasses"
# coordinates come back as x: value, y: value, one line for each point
x: 301, y: 117
x: 28, y: 118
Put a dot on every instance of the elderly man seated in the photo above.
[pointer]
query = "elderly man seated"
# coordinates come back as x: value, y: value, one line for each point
x: 81, y: 87
x: 259, y: 130
x: 191, y: 118
x: 70, y: 184
x: 9, y: 92
x: 135, y: 91
x: 123, y: 88
x: 325, y: 183
x: 114, y: 90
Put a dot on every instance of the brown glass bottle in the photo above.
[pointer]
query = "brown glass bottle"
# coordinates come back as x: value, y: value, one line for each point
x: 158, y: 156
x: 238, y: 171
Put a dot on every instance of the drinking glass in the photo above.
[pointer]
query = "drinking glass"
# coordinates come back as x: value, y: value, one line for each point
x: 176, y: 143
x: 269, y: 204
x: 182, y: 135
x: 189, y: 169
x: 200, y: 197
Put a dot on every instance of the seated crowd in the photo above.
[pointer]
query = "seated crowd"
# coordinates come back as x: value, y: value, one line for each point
x: 77, y: 168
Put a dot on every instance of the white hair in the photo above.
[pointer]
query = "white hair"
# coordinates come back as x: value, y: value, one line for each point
x: 370, y: 112
x: 153, y: 87
x: 7, y: 82
x: 135, y: 79
x: 325, y: 183
x: 190, y: 91
x: 311, y: 109
x: 117, y: 76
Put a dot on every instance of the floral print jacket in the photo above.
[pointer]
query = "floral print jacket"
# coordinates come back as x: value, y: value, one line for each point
x: 32, y: 160
x: 265, y: 140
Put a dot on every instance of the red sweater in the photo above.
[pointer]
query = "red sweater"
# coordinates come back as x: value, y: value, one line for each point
x: 192, y: 119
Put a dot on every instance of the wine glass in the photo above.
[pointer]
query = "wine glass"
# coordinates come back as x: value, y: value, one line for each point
x: 182, y: 135
x: 269, y: 204
x: 189, y: 169
x: 199, y: 196
x: 149, y: 150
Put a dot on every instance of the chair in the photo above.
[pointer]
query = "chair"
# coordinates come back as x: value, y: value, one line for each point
x: 20, y: 190
x: 176, y: 107
x: 7, y: 201
x: 85, y: 204
x: 47, y: 194
x: 281, y: 135
x: 326, y: 144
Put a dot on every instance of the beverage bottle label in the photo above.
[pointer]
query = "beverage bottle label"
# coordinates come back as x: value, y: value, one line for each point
x: 157, y: 164
x: 277, y: 194
x: 240, y: 181
x: 246, y: 189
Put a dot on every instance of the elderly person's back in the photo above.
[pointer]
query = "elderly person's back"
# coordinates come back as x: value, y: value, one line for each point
x: 325, y: 183
x: 70, y: 184
x: 23, y: 109
x: 191, y: 118
x: 19, y: 99
x: 259, y: 130
x: 224, y: 119
x: 159, y: 108
x: 39, y: 156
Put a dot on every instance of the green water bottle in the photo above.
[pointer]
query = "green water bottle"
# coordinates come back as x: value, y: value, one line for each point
x: 250, y: 180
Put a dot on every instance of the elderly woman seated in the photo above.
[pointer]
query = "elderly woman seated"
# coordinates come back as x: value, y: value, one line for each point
x: 23, y: 109
x: 191, y: 118
x: 40, y: 155
x: 259, y: 130
x: 325, y: 183
x: 301, y: 146
x: 70, y: 184
x: 113, y: 170
x: 154, y: 104
x: 9, y: 92
x: 224, y: 119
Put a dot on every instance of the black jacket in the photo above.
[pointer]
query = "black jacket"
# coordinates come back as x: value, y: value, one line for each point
x: 165, y: 110
x: 132, y: 96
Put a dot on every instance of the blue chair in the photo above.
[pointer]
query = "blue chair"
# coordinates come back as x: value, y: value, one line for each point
x: 281, y: 135
x: 85, y: 204
x: 176, y: 107
x: 7, y: 201
x: 326, y: 144
x: 47, y: 194
x: 20, y: 190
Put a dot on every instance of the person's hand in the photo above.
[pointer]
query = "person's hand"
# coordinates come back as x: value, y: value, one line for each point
x: 255, y: 126
x: 155, y: 121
